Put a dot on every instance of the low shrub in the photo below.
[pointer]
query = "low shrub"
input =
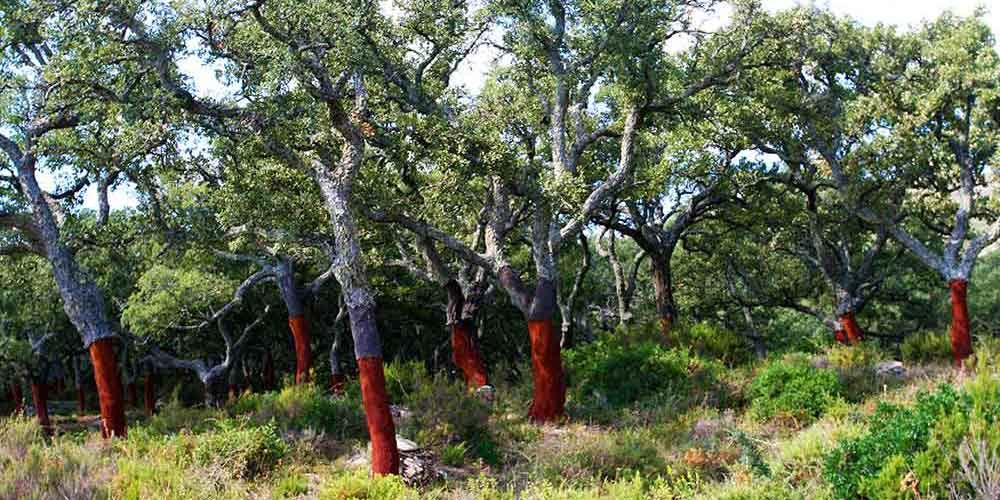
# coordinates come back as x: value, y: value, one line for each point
x: 32, y: 468
x: 305, y: 406
x: 403, y: 378
x: 712, y: 341
x: 856, y: 367
x: 443, y: 412
x: 925, y: 347
x: 242, y: 450
x: 582, y: 455
x: 453, y: 455
x: 357, y: 484
x: 914, y: 451
x: 613, y: 372
x: 793, y: 388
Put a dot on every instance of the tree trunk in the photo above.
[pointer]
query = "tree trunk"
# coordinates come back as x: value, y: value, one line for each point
x: 133, y: 394
x: 215, y: 386
x: 664, y: 290
x: 40, y: 398
x: 381, y: 428
x: 850, y: 327
x: 149, y: 394
x: 549, y: 396
x: 337, y: 383
x: 464, y: 353
x: 269, y: 378
x: 303, y: 353
x: 109, y: 388
x: 840, y: 335
x: 234, y: 385
x: 961, y: 340
x: 17, y: 396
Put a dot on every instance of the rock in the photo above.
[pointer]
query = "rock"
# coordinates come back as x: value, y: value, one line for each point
x: 405, y: 445
x: 890, y: 369
x: 821, y: 363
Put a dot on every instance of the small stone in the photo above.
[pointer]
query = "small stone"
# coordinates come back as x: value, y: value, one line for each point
x: 890, y: 369
x: 405, y: 445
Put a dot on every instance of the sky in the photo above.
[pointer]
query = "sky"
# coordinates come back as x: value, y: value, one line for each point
x: 901, y: 13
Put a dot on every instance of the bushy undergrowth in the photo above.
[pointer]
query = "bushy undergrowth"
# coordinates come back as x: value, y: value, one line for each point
x: 926, y: 346
x: 712, y: 341
x: 793, y: 388
x: 305, y: 407
x: 913, y: 451
x: 31, y: 468
x: 615, y: 372
x: 242, y: 450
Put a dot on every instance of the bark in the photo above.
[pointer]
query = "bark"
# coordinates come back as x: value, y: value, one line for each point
x: 17, y: 396
x: 270, y: 382
x: 549, y: 396
x: 961, y: 340
x: 40, y: 398
x: 337, y: 383
x: 464, y: 353
x: 303, y: 352
x: 839, y: 335
x: 663, y: 286
x: 109, y: 388
x: 149, y: 393
x: 849, y: 325
x: 297, y: 322
x: 385, y: 455
x: 337, y: 380
x: 234, y: 385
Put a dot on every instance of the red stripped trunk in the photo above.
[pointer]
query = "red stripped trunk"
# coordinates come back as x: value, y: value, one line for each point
x: 269, y: 378
x: 839, y: 335
x: 303, y: 354
x: 149, y: 394
x: 81, y: 400
x: 463, y: 352
x: 466, y: 357
x: 381, y: 428
x: 337, y: 383
x: 234, y: 392
x: 109, y: 388
x: 40, y: 398
x: 849, y: 324
x: 18, y: 397
x: 549, y: 398
x: 961, y: 340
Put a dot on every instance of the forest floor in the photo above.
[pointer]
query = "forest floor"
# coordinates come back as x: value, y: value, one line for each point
x: 766, y: 429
